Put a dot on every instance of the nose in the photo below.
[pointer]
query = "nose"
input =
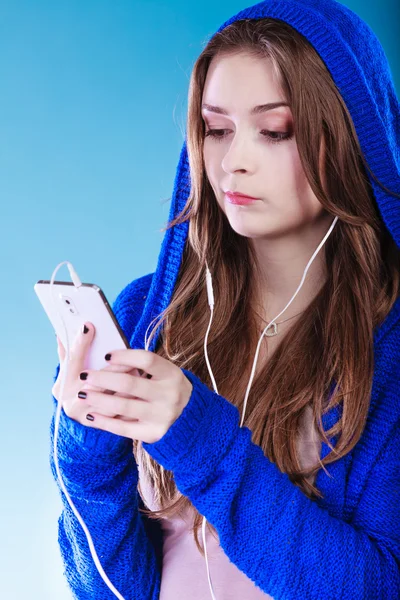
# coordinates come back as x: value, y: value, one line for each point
x: 238, y: 156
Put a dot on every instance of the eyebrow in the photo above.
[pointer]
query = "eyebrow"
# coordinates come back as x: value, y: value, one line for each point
x: 254, y: 111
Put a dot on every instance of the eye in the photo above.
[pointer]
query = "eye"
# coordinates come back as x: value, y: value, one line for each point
x: 273, y: 137
x: 213, y: 133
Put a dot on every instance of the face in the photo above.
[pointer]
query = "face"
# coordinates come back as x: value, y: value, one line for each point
x: 255, y: 153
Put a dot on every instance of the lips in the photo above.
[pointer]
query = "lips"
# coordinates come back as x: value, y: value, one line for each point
x: 232, y: 194
x: 236, y: 198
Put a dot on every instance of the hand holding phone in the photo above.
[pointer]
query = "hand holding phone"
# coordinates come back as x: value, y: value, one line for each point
x: 73, y: 406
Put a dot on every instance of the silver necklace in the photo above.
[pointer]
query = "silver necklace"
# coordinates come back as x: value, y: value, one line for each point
x: 274, y: 331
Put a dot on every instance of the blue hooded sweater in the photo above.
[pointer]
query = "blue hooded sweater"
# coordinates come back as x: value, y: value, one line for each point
x: 346, y: 545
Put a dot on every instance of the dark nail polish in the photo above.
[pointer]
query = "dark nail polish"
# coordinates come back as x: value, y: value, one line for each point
x: 85, y: 329
x: 108, y: 356
x: 81, y: 394
x: 90, y: 417
x: 83, y: 376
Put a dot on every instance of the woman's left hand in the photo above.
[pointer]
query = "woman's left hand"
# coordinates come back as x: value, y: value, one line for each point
x: 139, y: 408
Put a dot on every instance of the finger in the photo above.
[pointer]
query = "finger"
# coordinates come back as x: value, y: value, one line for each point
x: 115, y: 368
x: 144, y: 360
x: 121, y: 369
x: 125, y: 369
x: 125, y: 384
x: 96, y: 388
x: 128, y: 408
x: 129, y: 429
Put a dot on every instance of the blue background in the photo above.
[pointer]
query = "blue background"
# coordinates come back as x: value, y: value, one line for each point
x: 92, y: 120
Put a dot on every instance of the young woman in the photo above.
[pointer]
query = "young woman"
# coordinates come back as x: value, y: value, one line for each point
x: 291, y: 103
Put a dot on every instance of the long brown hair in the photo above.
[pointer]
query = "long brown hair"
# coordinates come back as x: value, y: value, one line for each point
x: 334, y: 338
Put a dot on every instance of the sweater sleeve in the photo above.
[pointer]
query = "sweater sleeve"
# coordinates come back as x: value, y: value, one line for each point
x: 287, y: 544
x: 99, y: 471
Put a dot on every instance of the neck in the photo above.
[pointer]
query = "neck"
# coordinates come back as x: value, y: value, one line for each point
x: 280, y: 266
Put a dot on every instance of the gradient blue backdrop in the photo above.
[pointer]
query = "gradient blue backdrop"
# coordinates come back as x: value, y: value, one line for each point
x: 92, y: 120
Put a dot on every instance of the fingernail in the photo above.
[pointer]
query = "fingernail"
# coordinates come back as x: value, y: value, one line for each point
x: 90, y: 417
x: 85, y: 329
x: 81, y: 394
x: 108, y: 356
x: 83, y: 376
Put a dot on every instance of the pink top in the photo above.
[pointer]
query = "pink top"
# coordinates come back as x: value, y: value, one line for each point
x: 184, y: 572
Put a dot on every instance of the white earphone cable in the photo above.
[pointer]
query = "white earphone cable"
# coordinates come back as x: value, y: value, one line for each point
x: 210, y: 296
x: 93, y: 552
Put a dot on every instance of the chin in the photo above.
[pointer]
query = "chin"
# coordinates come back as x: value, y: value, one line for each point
x: 256, y: 232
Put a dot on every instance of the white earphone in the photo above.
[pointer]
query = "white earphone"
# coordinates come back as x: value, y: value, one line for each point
x: 210, y: 295
x: 77, y: 282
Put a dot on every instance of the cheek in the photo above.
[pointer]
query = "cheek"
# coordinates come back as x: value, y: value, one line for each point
x: 299, y: 183
x: 212, y: 169
x: 299, y: 179
x: 308, y: 204
x: 290, y: 168
x: 285, y: 178
x: 211, y: 158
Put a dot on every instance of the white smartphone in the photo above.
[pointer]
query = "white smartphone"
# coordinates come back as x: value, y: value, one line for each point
x: 78, y: 305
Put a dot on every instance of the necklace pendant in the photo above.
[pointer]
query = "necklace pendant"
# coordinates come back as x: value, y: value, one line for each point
x: 271, y: 330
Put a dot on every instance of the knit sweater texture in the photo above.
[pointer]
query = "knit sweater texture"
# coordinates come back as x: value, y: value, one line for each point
x: 345, y: 545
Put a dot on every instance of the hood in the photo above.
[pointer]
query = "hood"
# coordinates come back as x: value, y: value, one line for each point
x: 358, y: 65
